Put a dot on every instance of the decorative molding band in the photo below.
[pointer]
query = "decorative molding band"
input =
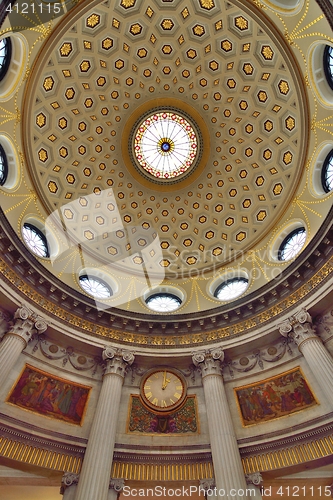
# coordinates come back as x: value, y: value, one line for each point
x: 41, y: 457
x: 191, y: 339
x: 326, y: 7
x: 139, y: 468
x: 310, y: 271
x: 162, y: 472
x: 289, y: 456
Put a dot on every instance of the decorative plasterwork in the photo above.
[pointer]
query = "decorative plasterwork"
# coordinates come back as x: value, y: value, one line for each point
x: 255, y: 113
x: 308, y: 276
x: 296, y: 450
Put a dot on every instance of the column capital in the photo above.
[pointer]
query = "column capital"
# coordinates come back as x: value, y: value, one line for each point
x: 117, y: 360
x: 206, y: 484
x: 4, y: 315
x: 117, y: 484
x: 255, y: 478
x: 67, y: 480
x: 299, y: 327
x: 25, y: 323
x: 209, y: 361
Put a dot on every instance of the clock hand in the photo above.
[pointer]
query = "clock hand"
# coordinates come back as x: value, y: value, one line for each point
x: 164, y: 381
x: 167, y: 380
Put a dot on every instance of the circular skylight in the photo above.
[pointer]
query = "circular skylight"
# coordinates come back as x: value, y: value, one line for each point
x: 5, y: 54
x: 327, y: 173
x: 163, y: 302
x: 165, y: 145
x: 96, y: 287
x: 328, y: 64
x: 3, y: 166
x: 35, y: 240
x: 292, y: 244
x: 231, y: 288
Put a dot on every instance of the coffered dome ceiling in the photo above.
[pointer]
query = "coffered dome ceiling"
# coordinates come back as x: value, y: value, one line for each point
x: 240, y: 72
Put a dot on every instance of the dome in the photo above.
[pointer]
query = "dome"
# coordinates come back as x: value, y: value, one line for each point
x: 166, y: 188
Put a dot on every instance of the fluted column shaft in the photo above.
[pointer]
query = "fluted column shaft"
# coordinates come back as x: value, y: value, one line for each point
x: 24, y: 326
x: 113, y: 494
x: 228, y: 469
x: 299, y: 328
x: 95, y: 473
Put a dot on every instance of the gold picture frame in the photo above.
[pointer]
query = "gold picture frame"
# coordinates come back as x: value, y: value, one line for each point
x: 274, y: 397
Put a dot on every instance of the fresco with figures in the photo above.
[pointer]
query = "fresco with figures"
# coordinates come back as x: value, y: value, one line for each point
x: 46, y: 394
x: 144, y: 421
x: 274, y: 397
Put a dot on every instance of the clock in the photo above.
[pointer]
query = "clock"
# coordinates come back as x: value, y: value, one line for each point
x: 163, y: 389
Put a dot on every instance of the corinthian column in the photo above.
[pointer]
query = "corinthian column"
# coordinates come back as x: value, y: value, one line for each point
x: 299, y: 328
x: 228, y: 469
x: 96, y: 469
x: 25, y: 324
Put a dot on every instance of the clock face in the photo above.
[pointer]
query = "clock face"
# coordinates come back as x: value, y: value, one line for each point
x: 163, y: 390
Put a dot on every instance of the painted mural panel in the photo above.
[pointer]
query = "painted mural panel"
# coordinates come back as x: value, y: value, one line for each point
x: 274, y: 397
x: 48, y: 395
x: 143, y: 421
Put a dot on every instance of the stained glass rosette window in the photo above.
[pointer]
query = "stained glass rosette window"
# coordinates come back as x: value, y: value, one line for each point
x: 95, y: 287
x: 231, y: 289
x: 163, y: 302
x: 327, y: 173
x: 328, y: 64
x: 292, y: 244
x: 5, y: 54
x: 35, y: 240
x: 165, y: 145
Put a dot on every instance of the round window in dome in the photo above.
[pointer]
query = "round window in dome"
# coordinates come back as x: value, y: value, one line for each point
x: 166, y: 145
x: 292, y: 244
x: 35, y: 240
x: 5, y: 55
x: 96, y: 287
x: 163, y: 302
x: 328, y: 64
x: 231, y: 288
x: 3, y: 166
x: 327, y: 173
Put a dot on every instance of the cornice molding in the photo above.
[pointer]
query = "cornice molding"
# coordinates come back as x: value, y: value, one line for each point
x: 302, y: 278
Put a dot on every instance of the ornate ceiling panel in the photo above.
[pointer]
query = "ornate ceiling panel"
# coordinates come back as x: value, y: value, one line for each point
x: 239, y: 70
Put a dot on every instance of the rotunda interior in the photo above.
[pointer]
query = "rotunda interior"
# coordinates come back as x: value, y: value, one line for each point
x: 166, y: 180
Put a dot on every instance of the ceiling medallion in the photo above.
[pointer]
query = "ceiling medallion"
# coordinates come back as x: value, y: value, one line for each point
x: 165, y: 145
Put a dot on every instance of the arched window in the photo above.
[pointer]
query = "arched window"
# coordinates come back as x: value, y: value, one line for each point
x: 96, y: 287
x: 35, y: 240
x: 3, y: 166
x: 292, y: 244
x: 231, y: 288
x: 328, y: 64
x: 327, y: 173
x: 163, y: 302
x: 5, y: 55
